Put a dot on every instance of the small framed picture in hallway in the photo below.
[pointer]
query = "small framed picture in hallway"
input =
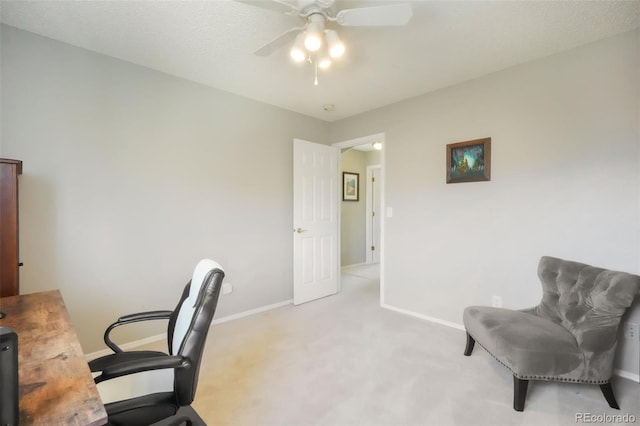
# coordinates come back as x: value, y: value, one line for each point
x: 350, y: 186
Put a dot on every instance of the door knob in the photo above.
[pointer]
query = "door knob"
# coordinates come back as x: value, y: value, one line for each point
x: 299, y: 230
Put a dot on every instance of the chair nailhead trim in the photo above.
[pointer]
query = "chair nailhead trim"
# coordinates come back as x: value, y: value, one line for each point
x: 549, y: 378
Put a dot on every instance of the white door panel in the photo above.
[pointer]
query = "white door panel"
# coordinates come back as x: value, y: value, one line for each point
x: 315, y: 221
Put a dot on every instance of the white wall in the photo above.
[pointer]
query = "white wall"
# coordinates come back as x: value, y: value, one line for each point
x: 374, y: 158
x: 565, y: 181
x: 131, y: 176
x: 352, y: 213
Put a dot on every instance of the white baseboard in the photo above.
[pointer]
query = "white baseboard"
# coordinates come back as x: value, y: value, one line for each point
x: 252, y: 312
x: 354, y: 265
x: 617, y: 372
x: 627, y: 375
x: 126, y: 346
x: 424, y: 317
x: 158, y: 337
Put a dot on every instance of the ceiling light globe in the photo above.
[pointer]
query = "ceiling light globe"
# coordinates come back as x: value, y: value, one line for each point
x: 324, y: 63
x: 298, y: 55
x: 336, y: 46
x: 312, y: 42
x: 337, y: 51
x: 297, y: 51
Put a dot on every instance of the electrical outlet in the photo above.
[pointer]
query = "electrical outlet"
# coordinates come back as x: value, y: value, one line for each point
x: 631, y: 330
x: 227, y: 288
x: 496, y: 302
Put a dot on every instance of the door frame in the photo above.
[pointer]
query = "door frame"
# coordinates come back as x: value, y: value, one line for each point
x: 350, y: 143
x: 369, y: 207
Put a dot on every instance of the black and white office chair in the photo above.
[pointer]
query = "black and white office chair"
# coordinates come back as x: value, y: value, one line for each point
x: 186, y: 337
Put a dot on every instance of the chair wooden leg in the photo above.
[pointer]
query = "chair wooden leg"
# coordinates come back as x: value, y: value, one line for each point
x: 607, y: 391
x: 470, y: 342
x: 519, y: 393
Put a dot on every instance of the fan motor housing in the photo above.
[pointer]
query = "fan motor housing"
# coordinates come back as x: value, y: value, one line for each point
x: 310, y: 7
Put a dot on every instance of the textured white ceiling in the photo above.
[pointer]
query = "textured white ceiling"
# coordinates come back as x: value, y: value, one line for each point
x: 212, y: 42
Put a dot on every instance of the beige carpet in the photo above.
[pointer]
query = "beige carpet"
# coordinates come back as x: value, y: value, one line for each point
x: 343, y: 360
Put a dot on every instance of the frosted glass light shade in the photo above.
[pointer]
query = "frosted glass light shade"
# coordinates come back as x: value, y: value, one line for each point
x: 297, y: 51
x: 336, y: 46
x: 312, y: 41
x: 324, y: 62
x: 313, y: 35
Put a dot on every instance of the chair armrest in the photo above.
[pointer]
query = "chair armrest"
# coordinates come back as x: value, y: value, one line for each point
x: 130, y: 319
x: 140, y: 365
x: 144, y: 316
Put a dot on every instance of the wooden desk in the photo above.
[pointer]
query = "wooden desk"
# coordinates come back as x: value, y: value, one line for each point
x: 56, y: 386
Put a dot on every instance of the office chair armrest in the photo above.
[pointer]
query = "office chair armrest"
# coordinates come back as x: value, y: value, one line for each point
x: 144, y: 316
x: 130, y: 319
x: 140, y: 365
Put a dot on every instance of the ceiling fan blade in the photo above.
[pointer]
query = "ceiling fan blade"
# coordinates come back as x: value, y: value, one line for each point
x: 276, y: 5
x: 278, y: 42
x: 376, y: 16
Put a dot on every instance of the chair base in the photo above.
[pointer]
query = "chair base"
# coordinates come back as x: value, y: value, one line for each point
x: 520, y: 385
x: 185, y: 416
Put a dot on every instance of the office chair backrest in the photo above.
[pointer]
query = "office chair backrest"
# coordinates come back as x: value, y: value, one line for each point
x: 9, y: 396
x: 190, y: 323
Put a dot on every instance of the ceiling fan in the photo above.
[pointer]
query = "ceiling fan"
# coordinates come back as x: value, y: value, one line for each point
x: 312, y: 40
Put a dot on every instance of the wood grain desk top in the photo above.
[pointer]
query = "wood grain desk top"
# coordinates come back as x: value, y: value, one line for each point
x: 56, y: 386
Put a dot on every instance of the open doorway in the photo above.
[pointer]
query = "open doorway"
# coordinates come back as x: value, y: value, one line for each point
x: 361, y: 218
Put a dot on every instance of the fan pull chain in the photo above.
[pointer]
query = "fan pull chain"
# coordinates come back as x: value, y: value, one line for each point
x: 315, y: 82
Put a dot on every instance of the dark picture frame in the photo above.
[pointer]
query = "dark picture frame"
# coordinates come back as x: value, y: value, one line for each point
x: 350, y: 186
x: 469, y: 161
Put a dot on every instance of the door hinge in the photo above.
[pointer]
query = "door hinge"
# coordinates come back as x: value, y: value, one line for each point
x: 373, y: 178
x: 373, y: 248
x: 373, y: 213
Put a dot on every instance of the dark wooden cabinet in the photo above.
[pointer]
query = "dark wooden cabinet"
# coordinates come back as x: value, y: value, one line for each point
x: 9, y: 254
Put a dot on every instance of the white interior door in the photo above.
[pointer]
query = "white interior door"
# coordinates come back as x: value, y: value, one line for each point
x: 374, y: 213
x: 315, y: 221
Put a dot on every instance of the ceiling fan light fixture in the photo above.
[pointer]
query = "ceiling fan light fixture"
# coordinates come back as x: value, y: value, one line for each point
x: 313, y: 35
x: 336, y: 46
x: 297, y: 51
x: 319, y: 45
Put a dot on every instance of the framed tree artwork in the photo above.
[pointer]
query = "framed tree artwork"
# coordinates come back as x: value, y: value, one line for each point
x: 469, y: 161
x: 350, y: 186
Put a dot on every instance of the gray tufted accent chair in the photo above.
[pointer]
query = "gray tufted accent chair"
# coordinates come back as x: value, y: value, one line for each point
x: 570, y: 336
